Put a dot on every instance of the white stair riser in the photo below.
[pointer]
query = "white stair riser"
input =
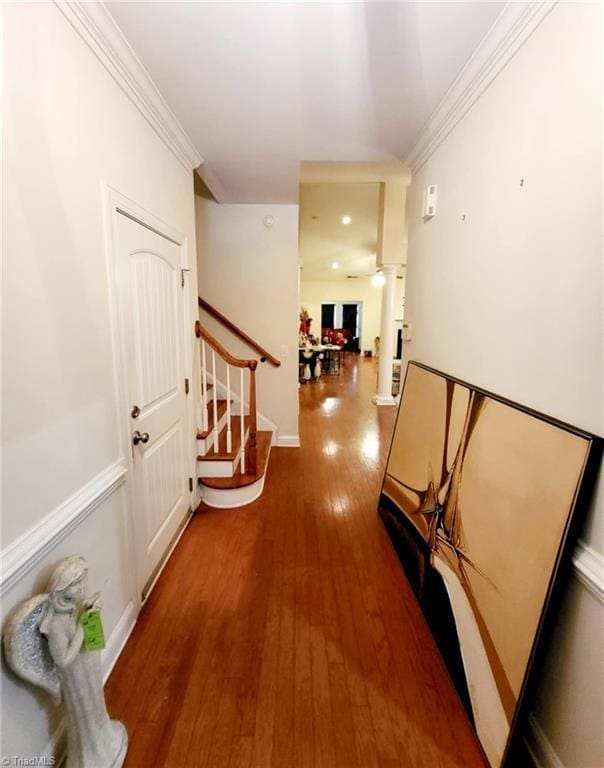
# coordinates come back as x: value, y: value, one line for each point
x: 228, y: 498
x: 221, y: 467
x: 206, y: 443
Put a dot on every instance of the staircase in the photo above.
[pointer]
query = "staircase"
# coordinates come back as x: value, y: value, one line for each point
x: 232, y: 453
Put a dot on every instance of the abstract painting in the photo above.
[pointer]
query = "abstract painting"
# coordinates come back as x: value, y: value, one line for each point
x: 480, y: 498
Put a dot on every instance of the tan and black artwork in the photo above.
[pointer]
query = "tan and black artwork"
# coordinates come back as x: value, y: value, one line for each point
x: 478, y: 499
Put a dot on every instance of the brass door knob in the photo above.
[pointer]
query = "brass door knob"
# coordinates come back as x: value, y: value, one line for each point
x: 137, y: 437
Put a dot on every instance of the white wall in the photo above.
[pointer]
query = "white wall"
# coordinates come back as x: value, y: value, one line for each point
x: 511, y: 298
x: 67, y: 128
x: 312, y: 293
x: 249, y: 272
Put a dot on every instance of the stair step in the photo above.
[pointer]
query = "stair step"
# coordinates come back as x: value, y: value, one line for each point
x: 222, y: 454
x: 263, y: 447
x: 221, y: 408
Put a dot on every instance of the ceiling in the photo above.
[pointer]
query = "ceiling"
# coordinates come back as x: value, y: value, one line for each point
x: 261, y: 86
x: 325, y: 240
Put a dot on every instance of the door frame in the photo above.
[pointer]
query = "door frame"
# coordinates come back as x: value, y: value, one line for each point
x: 338, y: 305
x: 114, y: 204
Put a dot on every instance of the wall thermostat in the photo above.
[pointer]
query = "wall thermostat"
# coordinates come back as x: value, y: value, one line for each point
x: 430, y: 202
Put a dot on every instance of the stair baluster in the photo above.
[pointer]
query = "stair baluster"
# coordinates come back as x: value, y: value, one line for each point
x: 204, y: 388
x: 247, y: 451
x: 229, y: 434
x: 242, y: 420
x: 215, y: 401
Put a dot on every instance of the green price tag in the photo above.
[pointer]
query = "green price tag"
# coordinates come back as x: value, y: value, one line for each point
x: 94, y: 637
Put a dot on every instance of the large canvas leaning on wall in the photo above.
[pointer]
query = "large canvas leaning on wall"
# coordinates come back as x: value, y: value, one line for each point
x: 479, y: 497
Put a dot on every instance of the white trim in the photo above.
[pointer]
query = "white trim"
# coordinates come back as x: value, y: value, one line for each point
x: 184, y: 525
x: 118, y: 639
x: 264, y: 424
x: 98, y: 29
x: 231, y: 498
x: 539, y: 748
x: 379, y: 400
x: 21, y: 556
x: 589, y: 569
x: 114, y: 203
x: 511, y: 29
x: 288, y: 441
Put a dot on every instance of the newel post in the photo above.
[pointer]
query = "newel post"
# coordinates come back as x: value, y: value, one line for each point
x: 250, y: 451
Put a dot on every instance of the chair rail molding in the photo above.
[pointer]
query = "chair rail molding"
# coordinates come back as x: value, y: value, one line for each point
x: 510, y: 30
x: 589, y: 569
x: 24, y: 553
x: 98, y: 29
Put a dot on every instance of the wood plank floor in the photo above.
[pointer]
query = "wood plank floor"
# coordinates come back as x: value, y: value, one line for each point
x: 284, y: 633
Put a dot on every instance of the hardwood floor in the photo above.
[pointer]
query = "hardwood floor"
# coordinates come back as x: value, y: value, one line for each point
x: 284, y: 633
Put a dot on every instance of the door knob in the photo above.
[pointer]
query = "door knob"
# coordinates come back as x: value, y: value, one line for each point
x: 138, y: 438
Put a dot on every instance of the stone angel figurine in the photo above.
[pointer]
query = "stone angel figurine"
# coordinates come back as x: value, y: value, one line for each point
x: 43, y: 644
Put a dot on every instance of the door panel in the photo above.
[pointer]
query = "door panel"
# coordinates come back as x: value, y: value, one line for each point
x: 155, y: 327
x: 151, y: 301
x: 161, y: 466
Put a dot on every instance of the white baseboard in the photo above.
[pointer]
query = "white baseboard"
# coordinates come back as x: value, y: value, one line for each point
x: 288, y: 441
x: 541, y: 751
x: 379, y: 400
x: 21, y: 555
x: 118, y: 639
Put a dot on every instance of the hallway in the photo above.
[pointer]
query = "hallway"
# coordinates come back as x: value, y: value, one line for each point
x: 284, y: 633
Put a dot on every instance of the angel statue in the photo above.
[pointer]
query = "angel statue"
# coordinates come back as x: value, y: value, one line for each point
x: 44, y: 644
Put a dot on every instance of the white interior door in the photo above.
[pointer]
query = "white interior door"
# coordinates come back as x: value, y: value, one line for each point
x: 151, y: 306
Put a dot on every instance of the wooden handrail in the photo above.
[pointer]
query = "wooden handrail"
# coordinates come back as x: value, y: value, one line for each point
x: 264, y: 355
x: 201, y: 333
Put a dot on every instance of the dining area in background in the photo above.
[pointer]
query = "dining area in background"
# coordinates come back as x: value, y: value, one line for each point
x: 318, y: 356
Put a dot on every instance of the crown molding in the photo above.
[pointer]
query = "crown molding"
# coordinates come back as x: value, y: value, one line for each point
x: 97, y: 28
x: 510, y: 30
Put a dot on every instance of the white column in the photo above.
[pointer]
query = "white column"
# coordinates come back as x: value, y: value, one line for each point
x: 384, y: 392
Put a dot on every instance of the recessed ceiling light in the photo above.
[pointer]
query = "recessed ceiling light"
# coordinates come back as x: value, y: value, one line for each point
x: 346, y: 219
x: 378, y: 279
x: 335, y: 265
